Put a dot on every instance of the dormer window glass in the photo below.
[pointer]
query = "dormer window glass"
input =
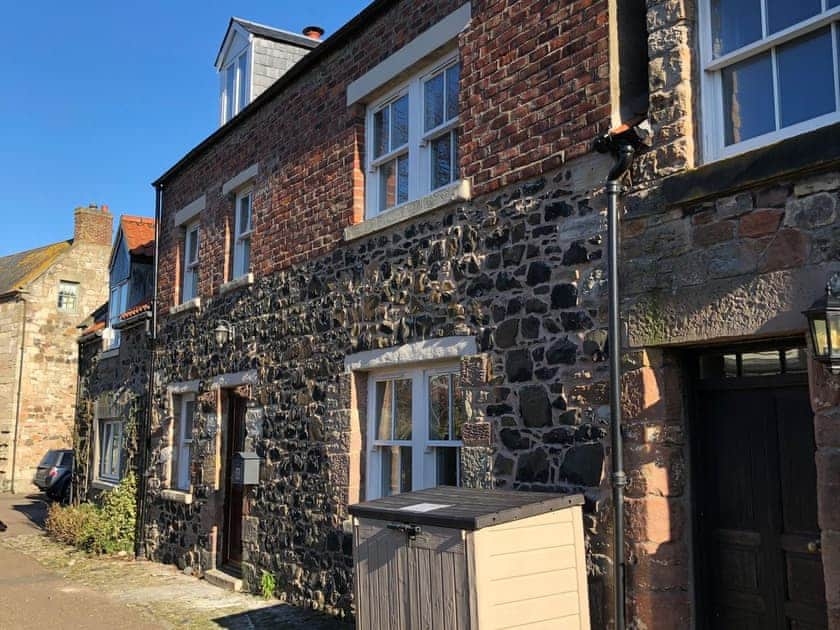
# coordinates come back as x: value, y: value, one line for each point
x: 242, y: 242
x: 117, y: 305
x: 235, y: 86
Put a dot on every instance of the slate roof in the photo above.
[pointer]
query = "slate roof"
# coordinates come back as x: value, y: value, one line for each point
x: 139, y: 235
x: 18, y: 270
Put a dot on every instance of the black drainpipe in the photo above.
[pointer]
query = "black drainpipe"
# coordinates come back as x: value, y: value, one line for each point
x: 144, y: 437
x: 622, y: 145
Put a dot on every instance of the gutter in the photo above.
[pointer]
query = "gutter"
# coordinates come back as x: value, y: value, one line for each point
x: 622, y: 143
x: 144, y: 433
x: 15, y: 434
x: 324, y: 49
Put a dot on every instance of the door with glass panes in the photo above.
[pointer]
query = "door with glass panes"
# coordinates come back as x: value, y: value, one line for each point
x: 414, y: 427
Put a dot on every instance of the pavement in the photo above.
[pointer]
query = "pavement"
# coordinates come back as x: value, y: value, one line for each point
x: 44, y: 584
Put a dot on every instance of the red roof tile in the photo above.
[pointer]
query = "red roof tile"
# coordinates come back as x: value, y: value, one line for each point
x: 139, y: 234
x: 96, y: 327
x: 136, y: 310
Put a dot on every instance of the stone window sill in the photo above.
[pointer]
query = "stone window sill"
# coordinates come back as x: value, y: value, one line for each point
x: 102, y: 484
x: 238, y: 283
x: 190, y: 305
x: 107, y: 354
x: 177, y: 496
x: 458, y: 191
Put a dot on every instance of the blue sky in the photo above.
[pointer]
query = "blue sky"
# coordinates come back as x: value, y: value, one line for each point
x: 101, y: 97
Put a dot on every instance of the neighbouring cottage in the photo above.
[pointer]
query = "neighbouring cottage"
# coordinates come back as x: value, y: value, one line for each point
x: 44, y: 292
x: 114, y: 363
x: 387, y: 272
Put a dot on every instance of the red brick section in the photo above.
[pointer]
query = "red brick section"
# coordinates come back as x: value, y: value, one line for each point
x: 93, y: 225
x: 534, y: 89
x: 825, y: 400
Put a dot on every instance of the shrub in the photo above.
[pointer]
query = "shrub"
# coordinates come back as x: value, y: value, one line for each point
x: 268, y: 584
x: 108, y: 528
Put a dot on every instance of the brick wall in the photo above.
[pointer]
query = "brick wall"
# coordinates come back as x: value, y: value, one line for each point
x: 534, y: 91
x: 93, y: 225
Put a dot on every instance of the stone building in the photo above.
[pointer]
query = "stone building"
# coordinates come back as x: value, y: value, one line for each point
x: 400, y: 281
x: 114, y: 362
x: 44, y: 293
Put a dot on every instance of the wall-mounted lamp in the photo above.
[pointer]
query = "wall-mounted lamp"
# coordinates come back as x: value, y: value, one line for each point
x: 824, y: 325
x: 223, y: 332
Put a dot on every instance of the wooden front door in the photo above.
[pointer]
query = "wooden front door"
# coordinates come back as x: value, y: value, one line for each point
x: 234, y: 493
x: 759, y: 563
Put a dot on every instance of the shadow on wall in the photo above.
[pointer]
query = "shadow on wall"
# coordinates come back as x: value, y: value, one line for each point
x: 281, y: 616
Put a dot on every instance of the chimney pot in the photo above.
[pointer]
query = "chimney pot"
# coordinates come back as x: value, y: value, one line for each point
x: 313, y: 32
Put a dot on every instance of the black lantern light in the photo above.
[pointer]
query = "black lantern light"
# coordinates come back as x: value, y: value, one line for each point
x: 223, y: 332
x: 824, y: 325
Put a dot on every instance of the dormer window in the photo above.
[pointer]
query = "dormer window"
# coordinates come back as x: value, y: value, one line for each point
x: 235, y: 86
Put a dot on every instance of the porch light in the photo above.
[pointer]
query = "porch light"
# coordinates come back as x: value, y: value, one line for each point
x: 223, y: 332
x: 824, y: 325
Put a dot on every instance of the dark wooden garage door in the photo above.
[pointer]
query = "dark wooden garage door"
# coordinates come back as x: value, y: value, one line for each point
x: 759, y: 563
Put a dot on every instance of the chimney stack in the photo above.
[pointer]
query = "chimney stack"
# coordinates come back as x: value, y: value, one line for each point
x: 313, y: 32
x: 93, y: 225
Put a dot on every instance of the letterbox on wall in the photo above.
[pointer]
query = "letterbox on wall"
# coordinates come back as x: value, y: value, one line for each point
x: 246, y: 469
x: 470, y: 559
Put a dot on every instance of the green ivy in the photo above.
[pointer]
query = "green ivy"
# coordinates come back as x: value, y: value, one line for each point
x: 268, y: 584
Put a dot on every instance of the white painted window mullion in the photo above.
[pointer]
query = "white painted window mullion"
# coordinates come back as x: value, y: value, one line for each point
x: 834, y: 34
x: 777, y: 101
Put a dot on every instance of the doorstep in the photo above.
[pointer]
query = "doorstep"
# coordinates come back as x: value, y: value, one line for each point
x: 223, y: 580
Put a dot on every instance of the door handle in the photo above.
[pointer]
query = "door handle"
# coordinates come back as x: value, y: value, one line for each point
x: 815, y: 546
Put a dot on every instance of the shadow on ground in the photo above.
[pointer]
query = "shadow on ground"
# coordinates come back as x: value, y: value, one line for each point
x: 280, y: 616
x: 35, y: 509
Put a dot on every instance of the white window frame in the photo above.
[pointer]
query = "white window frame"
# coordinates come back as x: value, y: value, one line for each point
x: 181, y: 443
x: 63, y: 293
x: 107, y: 469
x: 712, y: 85
x: 238, y: 82
x: 419, y: 142
x: 189, y: 284
x: 423, y: 460
x: 242, y: 233
x: 116, y: 307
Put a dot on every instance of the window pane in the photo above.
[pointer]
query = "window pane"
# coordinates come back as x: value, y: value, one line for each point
x: 380, y: 132
x: 387, y: 186
x: 189, y: 411
x: 806, y: 78
x: 795, y: 360
x: 192, y: 245
x: 384, y: 410
x: 446, y: 465
x: 399, y: 122
x: 230, y: 81
x: 459, y: 407
x: 748, y: 99
x: 396, y: 470
x: 734, y: 24
x: 433, y: 99
x: 242, y: 62
x: 439, y: 407
x: 834, y: 336
x: 441, y: 160
x: 402, y: 427
x: 402, y: 178
x: 456, y: 172
x: 244, y: 214
x: 761, y: 363
x: 784, y: 13
x: 832, y: 3
x: 245, y: 256
x: 453, y: 76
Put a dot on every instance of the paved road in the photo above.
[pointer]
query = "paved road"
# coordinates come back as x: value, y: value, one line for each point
x: 32, y: 596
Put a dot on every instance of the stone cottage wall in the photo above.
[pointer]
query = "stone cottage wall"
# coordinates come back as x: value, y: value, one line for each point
x: 522, y: 271
x: 122, y: 381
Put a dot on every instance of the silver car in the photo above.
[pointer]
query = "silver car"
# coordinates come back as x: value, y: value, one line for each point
x: 54, y: 473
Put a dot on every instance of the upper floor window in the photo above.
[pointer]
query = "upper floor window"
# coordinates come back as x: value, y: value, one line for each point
x: 415, y: 419
x: 189, y: 288
x: 235, y: 88
x: 117, y: 305
x: 412, y: 138
x: 770, y: 70
x: 68, y: 296
x: 242, y: 234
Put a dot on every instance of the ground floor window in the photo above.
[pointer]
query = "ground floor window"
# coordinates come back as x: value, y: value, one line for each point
x: 415, y: 418
x: 110, y: 449
x: 182, y: 429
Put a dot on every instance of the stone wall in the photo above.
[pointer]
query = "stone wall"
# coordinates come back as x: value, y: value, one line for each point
x: 119, y: 381
x: 521, y: 271
x: 48, y: 383
x: 11, y: 316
